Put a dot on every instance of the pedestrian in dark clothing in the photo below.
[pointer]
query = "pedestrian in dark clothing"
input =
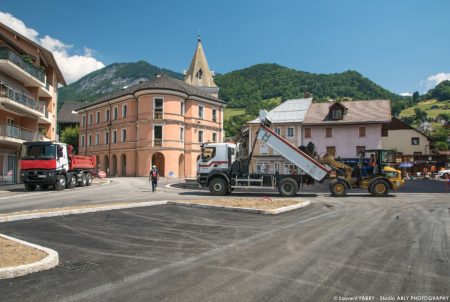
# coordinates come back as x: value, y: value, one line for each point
x: 154, y: 177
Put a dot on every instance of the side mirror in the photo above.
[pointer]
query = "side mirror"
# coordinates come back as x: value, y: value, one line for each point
x: 59, y: 152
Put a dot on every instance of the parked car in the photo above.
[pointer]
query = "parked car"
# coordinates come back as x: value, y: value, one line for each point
x: 445, y: 174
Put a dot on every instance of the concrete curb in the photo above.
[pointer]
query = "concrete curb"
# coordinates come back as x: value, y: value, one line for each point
x: 246, y: 210
x: 24, y: 216
x: 48, y: 262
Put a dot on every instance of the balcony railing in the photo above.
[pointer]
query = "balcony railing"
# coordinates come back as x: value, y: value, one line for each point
x: 20, y: 133
x: 22, y: 98
x: 8, y: 54
x: 157, y: 142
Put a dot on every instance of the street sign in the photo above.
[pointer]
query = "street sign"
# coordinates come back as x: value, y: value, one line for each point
x: 102, y: 174
x: 171, y: 174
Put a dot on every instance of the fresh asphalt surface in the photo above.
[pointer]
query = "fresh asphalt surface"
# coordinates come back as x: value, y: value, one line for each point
x: 337, y: 247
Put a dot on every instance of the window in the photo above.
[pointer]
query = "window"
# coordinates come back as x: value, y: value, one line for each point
x: 181, y: 134
x: 182, y: 107
x: 415, y: 141
x: 199, y: 74
x: 362, y: 131
x: 107, y: 115
x: 337, y: 114
x: 360, y: 149
x: 106, y: 138
x: 124, y: 135
x: 290, y: 132
x: 278, y: 131
x: 328, y: 132
x: 114, y: 136
x: 158, y: 111
x: 124, y: 110
x: 331, y: 150
x: 115, y: 113
x: 89, y: 140
x: 200, y: 136
x: 97, y: 139
x: 262, y: 167
x: 277, y: 167
x: 200, y: 111
x: 82, y: 140
x: 83, y: 120
x: 90, y: 119
x: 214, y: 137
x: 157, y: 135
x: 214, y: 115
x: 97, y: 117
x: 208, y: 153
x: 307, y: 132
x: 263, y: 149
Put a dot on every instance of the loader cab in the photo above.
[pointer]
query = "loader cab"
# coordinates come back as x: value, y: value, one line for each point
x: 378, y: 159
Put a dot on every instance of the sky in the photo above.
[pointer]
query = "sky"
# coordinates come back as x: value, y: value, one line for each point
x: 402, y: 45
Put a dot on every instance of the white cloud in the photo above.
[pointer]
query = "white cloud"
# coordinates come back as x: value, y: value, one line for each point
x: 406, y: 94
x: 434, y: 80
x: 73, y: 66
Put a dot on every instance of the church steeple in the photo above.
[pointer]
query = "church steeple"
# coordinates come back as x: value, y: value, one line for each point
x: 199, y: 74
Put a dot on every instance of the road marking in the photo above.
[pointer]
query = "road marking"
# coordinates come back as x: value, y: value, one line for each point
x: 24, y: 195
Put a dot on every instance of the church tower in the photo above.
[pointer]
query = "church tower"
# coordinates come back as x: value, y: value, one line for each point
x: 198, y: 74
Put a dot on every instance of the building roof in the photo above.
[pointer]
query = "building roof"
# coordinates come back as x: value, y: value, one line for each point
x: 48, y: 55
x: 397, y: 124
x: 199, y: 64
x: 369, y: 111
x: 65, y: 113
x: 161, y: 82
x: 290, y: 111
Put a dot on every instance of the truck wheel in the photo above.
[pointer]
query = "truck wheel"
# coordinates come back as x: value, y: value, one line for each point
x: 379, y: 188
x: 88, y: 179
x: 30, y: 187
x: 218, y: 186
x: 44, y: 187
x: 60, y: 183
x: 338, y: 188
x: 71, y: 182
x: 83, y: 180
x: 287, y: 187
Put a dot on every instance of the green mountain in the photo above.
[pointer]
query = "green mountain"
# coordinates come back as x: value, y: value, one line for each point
x: 248, y: 86
x: 109, y: 79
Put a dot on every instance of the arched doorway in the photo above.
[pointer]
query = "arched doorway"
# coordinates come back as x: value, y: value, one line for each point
x: 97, y: 163
x: 114, y: 165
x: 181, y: 166
x: 123, y: 164
x: 158, y: 161
x: 106, y: 164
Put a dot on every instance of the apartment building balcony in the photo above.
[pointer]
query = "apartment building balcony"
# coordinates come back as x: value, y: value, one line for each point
x: 15, y: 66
x: 15, y: 135
x: 16, y: 101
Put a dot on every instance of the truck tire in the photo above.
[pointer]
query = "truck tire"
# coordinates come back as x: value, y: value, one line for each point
x: 82, y: 181
x: 88, y: 179
x: 30, y: 187
x: 218, y: 186
x: 379, y: 188
x: 287, y: 187
x: 43, y: 187
x: 338, y: 188
x: 60, y: 183
x: 71, y: 182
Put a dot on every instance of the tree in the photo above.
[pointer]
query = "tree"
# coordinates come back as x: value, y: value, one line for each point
x: 442, y: 146
x: 420, y: 114
x: 70, y: 136
x: 415, y: 97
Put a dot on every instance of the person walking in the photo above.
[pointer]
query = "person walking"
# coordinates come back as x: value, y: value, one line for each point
x: 154, y: 177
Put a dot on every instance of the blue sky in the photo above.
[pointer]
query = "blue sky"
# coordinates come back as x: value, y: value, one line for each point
x: 403, y: 45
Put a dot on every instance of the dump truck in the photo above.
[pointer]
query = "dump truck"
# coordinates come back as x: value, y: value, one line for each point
x: 46, y: 164
x: 222, y: 171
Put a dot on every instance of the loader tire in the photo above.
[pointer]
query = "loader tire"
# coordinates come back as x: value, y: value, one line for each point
x: 338, y: 188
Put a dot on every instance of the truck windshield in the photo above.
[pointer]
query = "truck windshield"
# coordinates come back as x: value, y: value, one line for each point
x: 208, y: 153
x: 38, y: 152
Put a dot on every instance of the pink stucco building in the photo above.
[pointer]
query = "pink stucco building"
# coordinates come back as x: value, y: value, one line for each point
x: 159, y: 122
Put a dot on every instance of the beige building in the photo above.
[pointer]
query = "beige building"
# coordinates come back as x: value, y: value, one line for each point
x: 29, y: 78
x: 404, y: 139
x: 160, y: 122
